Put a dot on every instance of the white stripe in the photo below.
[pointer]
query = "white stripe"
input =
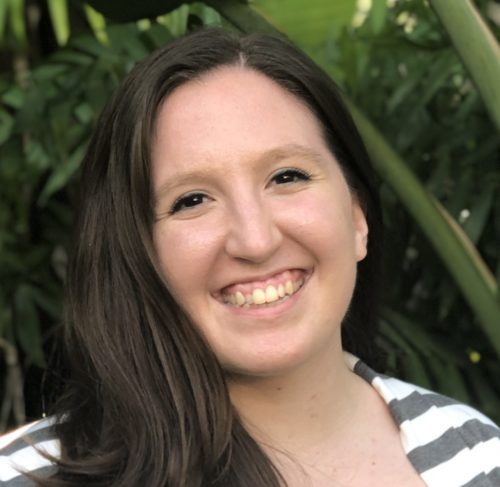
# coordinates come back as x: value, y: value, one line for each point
x: 390, y: 388
x: 435, y: 422
x: 27, y: 459
x: 42, y: 423
x: 10, y: 437
x: 350, y: 360
x: 465, y: 465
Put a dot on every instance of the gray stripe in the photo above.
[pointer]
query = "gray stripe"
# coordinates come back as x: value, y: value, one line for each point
x: 450, y: 443
x: 28, y: 439
x: 22, y: 481
x: 416, y: 404
x: 491, y: 479
x: 365, y: 372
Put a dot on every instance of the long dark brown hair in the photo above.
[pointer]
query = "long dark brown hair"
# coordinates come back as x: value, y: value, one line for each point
x: 147, y: 403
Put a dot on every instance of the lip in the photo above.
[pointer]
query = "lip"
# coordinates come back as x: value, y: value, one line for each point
x: 273, y: 309
x: 261, y: 279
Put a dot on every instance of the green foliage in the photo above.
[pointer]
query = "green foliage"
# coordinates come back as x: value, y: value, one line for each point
x: 60, y: 19
x: 308, y: 27
x: 412, y: 84
x: 45, y: 128
x: 12, y: 14
x: 479, y: 49
x: 398, y: 67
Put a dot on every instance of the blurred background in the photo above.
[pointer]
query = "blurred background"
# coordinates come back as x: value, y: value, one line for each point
x: 423, y: 81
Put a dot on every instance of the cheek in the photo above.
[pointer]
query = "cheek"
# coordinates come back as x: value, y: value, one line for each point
x: 186, y: 252
x: 320, y: 222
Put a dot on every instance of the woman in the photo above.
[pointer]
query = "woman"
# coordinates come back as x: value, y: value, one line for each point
x: 226, y: 256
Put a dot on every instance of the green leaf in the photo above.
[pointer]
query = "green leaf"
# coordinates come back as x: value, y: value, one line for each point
x: 438, y: 74
x: 71, y: 57
x: 58, y: 10
x: 62, y: 174
x: 6, y: 124
x: 134, y: 9
x: 159, y: 35
x: 97, y: 23
x: 14, y: 97
x: 479, y: 213
x: 461, y: 258
x: 27, y: 325
x: 208, y: 15
x: 477, y: 47
x: 426, y: 344
x: 415, y: 370
x: 48, y: 72
x: 308, y: 25
x: 46, y: 302
x: 124, y: 39
x: 241, y: 17
x: 36, y: 155
x: 17, y: 22
x: 377, y: 15
x: 92, y: 46
x: 449, y: 380
x: 84, y: 113
x: 3, y: 17
x: 405, y: 88
x: 176, y: 21
x: 487, y: 397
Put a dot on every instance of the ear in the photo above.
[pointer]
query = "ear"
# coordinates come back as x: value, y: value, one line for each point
x: 360, y: 227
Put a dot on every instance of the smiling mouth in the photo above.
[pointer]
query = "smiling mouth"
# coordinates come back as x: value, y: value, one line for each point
x: 262, y: 294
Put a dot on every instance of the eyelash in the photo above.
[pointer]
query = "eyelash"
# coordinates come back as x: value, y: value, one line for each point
x: 186, y: 202
x: 194, y: 199
x: 294, y: 175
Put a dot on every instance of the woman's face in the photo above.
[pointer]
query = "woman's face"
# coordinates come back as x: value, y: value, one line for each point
x: 257, y: 233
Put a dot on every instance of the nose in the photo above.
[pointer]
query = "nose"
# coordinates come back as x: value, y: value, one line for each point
x: 253, y: 234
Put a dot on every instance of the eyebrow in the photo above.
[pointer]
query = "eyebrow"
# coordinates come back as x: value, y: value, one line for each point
x: 277, y: 154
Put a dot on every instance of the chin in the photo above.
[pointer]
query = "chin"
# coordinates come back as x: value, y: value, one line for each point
x: 268, y: 365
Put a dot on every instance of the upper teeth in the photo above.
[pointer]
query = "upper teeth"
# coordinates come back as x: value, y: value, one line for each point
x: 262, y: 296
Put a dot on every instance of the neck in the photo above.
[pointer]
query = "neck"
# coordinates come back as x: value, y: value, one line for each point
x: 303, y: 409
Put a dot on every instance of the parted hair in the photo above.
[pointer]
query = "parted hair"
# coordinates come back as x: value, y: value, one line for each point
x: 146, y: 402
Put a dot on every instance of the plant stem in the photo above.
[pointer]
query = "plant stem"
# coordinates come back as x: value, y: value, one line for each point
x: 454, y: 248
x: 477, y: 47
x: 242, y: 16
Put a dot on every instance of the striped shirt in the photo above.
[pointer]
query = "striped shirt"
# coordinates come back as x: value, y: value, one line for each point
x: 448, y: 443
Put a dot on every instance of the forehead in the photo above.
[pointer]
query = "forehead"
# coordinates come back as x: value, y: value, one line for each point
x: 231, y: 113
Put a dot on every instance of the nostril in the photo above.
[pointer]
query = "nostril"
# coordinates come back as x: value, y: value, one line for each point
x: 254, y: 238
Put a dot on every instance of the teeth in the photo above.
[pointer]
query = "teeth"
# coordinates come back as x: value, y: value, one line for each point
x: 259, y: 296
x: 240, y: 299
x: 271, y: 294
x: 281, y: 291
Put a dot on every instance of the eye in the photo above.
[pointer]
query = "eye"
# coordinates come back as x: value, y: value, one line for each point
x: 187, y: 201
x: 286, y: 176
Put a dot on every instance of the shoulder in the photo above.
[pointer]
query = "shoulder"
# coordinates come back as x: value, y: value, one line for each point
x: 448, y: 443
x: 22, y: 450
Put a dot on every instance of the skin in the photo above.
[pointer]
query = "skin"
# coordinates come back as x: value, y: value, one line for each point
x: 235, y: 210
x: 220, y: 137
